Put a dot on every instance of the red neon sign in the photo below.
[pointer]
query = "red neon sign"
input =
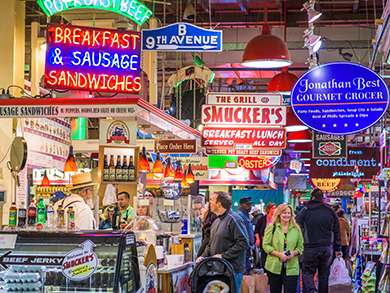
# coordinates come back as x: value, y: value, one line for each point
x: 255, y: 163
x: 92, y: 59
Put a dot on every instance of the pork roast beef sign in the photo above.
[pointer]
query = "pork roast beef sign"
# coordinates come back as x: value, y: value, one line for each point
x: 340, y: 98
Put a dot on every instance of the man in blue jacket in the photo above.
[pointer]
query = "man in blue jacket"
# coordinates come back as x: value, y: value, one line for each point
x: 243, y: 211
x: 228, y: 235
x: 321, y: 235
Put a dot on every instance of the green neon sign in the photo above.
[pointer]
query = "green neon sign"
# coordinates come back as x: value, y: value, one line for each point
x: 132, y: 9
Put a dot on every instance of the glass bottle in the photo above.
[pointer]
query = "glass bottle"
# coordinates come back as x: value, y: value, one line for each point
x: 13, y: 215
x: 111, y: 169
x: 61, y: 217
x: 125, y: 170
x: 50, y: 220
x: 31, y: 214
x: 71, y: 223
x: 118, y: 169
x: 131, y: 170
x: 105, y: 169
x: 41, y: 212
x: 22, y: 215
x: 116, y: 218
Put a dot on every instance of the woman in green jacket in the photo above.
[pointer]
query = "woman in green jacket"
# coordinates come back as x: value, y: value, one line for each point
x: 283, y: 242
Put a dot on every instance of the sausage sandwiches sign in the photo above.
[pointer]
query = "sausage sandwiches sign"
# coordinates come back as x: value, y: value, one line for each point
x: 340, y: 98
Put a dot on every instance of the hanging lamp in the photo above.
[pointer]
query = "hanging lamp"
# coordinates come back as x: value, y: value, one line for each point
x: 266, y: 50
x: 302, y: 147
x: 299, y: 136
x: 143, y: 165
x: 70, y: 164
x: 305, y: 157
x: 184, y: 183
x: 169, y: 173
x: 190, y: 178
x: 293, y: 123
x: 282, y: 82
x: 45, y: 180
x: 179, y: 174
x: 158, y: 168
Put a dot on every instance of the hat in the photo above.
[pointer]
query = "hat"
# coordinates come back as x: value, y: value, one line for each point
x: 81, y: 180
x: 254, y: 209
x: 57, y: 196
x: 246, y: 200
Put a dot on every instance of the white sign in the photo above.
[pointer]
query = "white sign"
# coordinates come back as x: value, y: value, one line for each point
x: 7, y: 241
x: 244, y: 99
x: 80, y: 263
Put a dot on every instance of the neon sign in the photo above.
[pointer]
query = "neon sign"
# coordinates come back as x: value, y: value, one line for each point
x: 255, y: 163
x: 92, y: 59
x: 132, y: 9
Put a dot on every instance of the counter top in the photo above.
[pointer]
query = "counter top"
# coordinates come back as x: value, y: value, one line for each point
x: 168, y: 270
x: 197, y: 235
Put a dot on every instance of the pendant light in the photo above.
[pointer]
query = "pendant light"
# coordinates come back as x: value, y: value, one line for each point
x: 45, y: 180
x: 179, y: 174
x: 158, y: 168
x: 282, y: 82
x: 299, y: 136
x: 266, y: 50
x: 302, y: 147
x: 190, y: 178
x: 292, y: 122
x: 184, y: 183
x: 169, y: 172
x: 305, y: 157
x: 143, y: 165
x: 70, y: 164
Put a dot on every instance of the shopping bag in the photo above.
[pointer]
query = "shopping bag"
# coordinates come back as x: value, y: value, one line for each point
x: 254, y: 284
x: 339, y: 273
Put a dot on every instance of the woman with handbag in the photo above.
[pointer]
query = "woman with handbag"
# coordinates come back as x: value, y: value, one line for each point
x: 283, y: 242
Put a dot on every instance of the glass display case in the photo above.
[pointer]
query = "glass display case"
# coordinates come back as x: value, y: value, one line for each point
x: 69, y: 262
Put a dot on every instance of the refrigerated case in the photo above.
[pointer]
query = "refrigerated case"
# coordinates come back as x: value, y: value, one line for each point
x: 73, y: 261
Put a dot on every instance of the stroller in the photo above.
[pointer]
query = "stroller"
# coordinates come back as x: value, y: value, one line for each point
x: 213, y: 275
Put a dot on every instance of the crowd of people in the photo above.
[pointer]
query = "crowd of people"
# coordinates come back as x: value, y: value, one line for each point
x: 290, y: 245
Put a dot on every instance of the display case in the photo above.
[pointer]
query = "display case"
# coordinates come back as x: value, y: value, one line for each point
x: 69, y: 262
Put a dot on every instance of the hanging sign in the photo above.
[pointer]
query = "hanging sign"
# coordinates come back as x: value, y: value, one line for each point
x: 327, y: 185
x: 182, y: 37
x: 244, y: 99
x: 340, y: 98
x: 329, y: 146
x: 296, y: 165
x: 117, y: 132
x: 92, y: 59
x: 230, y: 137
x: 132, y: 9
x: 175, y: 146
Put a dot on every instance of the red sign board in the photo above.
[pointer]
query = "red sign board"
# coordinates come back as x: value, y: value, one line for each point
x: 231, y: 137
x: 175, y: 146
x: 243, y: 115
x: 255, y: 163
x: 244, y: 152
x: 92, y: 59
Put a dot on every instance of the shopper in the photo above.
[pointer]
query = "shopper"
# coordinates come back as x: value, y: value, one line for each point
x: 345, y: 230
x: 260, y: 228
x: 256, y: 215
x: 207, y: 218
x: 283, y: 242
x: 228, y: 236
x: 125, y: 207
x: 82, y: 190
x: 143, y: 210
x: 106, y: 217
x: 321, y: 234
x: 336, y: 207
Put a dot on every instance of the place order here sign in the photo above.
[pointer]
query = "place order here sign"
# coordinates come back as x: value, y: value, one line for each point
x: 228, y: 115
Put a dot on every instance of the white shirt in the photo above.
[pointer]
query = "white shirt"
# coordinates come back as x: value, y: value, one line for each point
x: 83, y: 214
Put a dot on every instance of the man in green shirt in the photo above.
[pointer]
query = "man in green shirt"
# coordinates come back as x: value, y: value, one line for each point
x: 125, y: 207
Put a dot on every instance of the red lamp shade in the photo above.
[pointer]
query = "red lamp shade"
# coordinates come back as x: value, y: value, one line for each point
x: 293, y: 124
x: 266, y: 51
x: 169, y: 172
x: 179, y: 174
x: 70, y: 164
x: 302, y: 147
x: 45, y: 181
x: 305, y: 157
x: 190, y: 178
x: 184, y: 183
x: 158, y: 168
x: 299, y: 136
x: 143, y: 165
x: 282, y: 82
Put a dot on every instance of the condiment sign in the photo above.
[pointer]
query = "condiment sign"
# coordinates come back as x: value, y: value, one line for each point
x: 329, y: 146
x: 181, y: 37
x: 132, y: 9
x: 244, y: 98
x: 340, y: 98
x: 175, y: 146
x: 230, y: 137
x: 92, y: 59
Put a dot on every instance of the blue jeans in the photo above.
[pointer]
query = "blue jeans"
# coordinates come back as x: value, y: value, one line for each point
x: 238, y: 281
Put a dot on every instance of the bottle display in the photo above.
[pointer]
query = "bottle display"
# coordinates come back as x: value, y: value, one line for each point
x: 61, y: 217
x: 50, y: 217
x: 116, y: 218
x: 111, y: 169
x: 125, y: 169
x: 105, y: 169
x: 118, y: 169
x: 32, y: 214
x: 41, y: 212
x: 71, y: 223
x: 22, y: 215
x: 13, y: 215
x: 131, y: 170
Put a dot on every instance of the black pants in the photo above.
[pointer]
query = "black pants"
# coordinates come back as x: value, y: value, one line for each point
x: 276, y: 282
x: 318, y: 258
x: 345, y: 251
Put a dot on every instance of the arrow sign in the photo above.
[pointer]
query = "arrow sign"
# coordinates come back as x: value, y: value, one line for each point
x: 182, y: 37
x: 8, y: 259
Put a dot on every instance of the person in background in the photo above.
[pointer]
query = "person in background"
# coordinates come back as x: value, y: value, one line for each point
x: 143, y: 210
x: 243, y: 211
x: 207, y: 218
x: 228, y: 236
x: 255, y: 215
x: 345, y: 230
x: 283, y: 242
x: 149, y: 195
x: 106, y: 222
x: 260, y: 228
x: 58, y: 195
x: 336, y: 207
x: 321, y: 234
x: 197, y: 206
x: 82, y: 191
x: 125, y: 207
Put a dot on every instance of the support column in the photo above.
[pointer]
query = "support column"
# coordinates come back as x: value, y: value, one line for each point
x: 150, y: 67
x: 34, y: 63
x: 12, y: 31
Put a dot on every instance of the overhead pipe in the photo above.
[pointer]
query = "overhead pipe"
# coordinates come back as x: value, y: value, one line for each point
x: 379, y: 40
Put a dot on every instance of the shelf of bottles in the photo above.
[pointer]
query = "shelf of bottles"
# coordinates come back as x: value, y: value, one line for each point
x: 118, y: 165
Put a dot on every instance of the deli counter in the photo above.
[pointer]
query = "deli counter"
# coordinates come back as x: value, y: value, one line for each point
x: 68, y: 262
